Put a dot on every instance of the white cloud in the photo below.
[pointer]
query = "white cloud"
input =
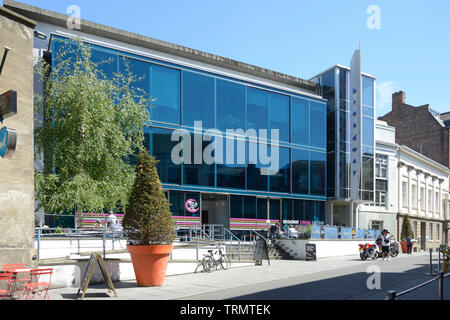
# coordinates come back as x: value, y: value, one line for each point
x: 385, y: 90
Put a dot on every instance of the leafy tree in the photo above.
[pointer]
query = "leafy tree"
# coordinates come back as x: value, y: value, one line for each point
x: 407, y: 230
x: 148, y: 219
x: 88, y: 128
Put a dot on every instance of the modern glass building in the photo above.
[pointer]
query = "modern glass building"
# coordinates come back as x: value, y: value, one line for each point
x: 334, y: 85
x: 241, y: 191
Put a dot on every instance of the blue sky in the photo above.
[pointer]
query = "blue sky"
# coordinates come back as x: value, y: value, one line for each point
x: 410, y: 51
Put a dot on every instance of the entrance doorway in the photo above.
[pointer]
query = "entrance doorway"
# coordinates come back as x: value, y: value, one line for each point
x: 215, y: 210
x: 423, y: 236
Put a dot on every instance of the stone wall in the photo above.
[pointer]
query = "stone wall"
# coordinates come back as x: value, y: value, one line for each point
x: 17, y: 174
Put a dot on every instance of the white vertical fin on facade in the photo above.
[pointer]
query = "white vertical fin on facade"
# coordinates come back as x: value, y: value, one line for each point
x: 355, y: 125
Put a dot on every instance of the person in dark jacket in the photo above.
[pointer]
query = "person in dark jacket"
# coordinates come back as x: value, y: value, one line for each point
x: 274, y: 231
x: 409, y: 245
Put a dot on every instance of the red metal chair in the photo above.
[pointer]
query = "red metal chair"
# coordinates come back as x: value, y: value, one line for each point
x: 15, y: 280
x: 38, y: 287
x: 5, y: 293
x: 13, y: 267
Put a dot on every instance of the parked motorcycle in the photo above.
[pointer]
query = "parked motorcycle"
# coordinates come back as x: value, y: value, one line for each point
x: 368, y: 250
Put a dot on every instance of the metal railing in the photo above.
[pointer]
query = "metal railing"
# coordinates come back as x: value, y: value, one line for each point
x: 440, y: 276
x: 231, y: 242
x: 393, y: 295
x: 77, y: 235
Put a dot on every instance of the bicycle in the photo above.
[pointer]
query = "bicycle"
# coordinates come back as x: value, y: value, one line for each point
x: 210, y: 263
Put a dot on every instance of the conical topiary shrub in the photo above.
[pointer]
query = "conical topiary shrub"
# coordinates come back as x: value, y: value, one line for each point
x: 407, y: 230
x: 149, y: 225
x: 148, y: 219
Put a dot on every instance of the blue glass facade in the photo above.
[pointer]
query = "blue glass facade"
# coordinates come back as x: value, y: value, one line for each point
x: 183, y: 96
x: 334, y: 86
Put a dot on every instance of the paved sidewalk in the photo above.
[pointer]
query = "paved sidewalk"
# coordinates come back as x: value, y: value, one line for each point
x: 260, y: 281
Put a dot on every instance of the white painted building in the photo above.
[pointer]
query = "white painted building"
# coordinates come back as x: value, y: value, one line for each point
x: 382, y: 213
x: 407, y: 183
x: 423, y: 195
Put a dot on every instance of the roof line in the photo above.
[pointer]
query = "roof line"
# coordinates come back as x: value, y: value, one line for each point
x: 17, y: 17
x: 89, y: 27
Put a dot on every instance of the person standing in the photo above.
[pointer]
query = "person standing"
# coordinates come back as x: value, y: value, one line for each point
x: 385, y: 245
x: 274, y: 231
x: 409, y: 245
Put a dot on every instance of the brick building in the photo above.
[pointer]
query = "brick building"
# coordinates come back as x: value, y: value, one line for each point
x: 425, y: 131
x: 420, y: 128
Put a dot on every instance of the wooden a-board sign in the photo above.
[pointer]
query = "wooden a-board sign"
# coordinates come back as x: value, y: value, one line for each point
x: 95, y: 258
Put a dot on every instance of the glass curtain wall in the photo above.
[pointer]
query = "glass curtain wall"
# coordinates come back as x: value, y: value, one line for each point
x: 368, y: 140
x: 183, y: 96
x: 335, y: 86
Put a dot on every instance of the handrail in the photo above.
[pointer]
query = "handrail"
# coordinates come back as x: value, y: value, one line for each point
x: 393, y: 295
x: 231, y: 239
x: 258, y: 234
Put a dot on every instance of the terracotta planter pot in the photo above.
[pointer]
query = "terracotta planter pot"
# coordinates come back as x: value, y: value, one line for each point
x: 404, y: 247
x: 150, y: 263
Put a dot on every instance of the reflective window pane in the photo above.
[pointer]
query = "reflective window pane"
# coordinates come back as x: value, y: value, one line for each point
x: 299, y: 210
x: 318, y: 125
x: 368, y: 86
x: 177, y: 203
x: 300, y: 171
x: 343, y: 85
x: 274, y: 211
x: 256, y: 172
x: 140, y: 70
x: 106, y: 62
x: 368, y: 131
x: 329, y: 85
x: 236, y: 207
x: 287, y: 210
x: 367, y: 173
x: 257, y: 109
x: 300, y: 121
x: 318, y: 171
x: 198, y: 174
x: 261, y: 209
x: 279, y: 115
x: 161, y: 146
x: 280, y: 181
x: 250, y: 207
x: 198, y: 100
x: 165, y: 89
x: 230, y: 105
x: 231, y: 174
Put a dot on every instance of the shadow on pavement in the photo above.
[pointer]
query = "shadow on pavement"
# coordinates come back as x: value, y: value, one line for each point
x: 74, y: 296
x: 354, y: 287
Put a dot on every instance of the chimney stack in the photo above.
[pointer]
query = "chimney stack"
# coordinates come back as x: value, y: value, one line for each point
x: 398, y: 99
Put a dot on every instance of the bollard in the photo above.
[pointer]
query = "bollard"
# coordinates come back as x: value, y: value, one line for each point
x: 392, y: 295
x: 104, y: 244
x: 196, y: 247
x: 39, y: 242
x: 439, y: 261
x: 78, y: 242
x: 431, y: 262
x: 112, y: 238
x: 441, y: 286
